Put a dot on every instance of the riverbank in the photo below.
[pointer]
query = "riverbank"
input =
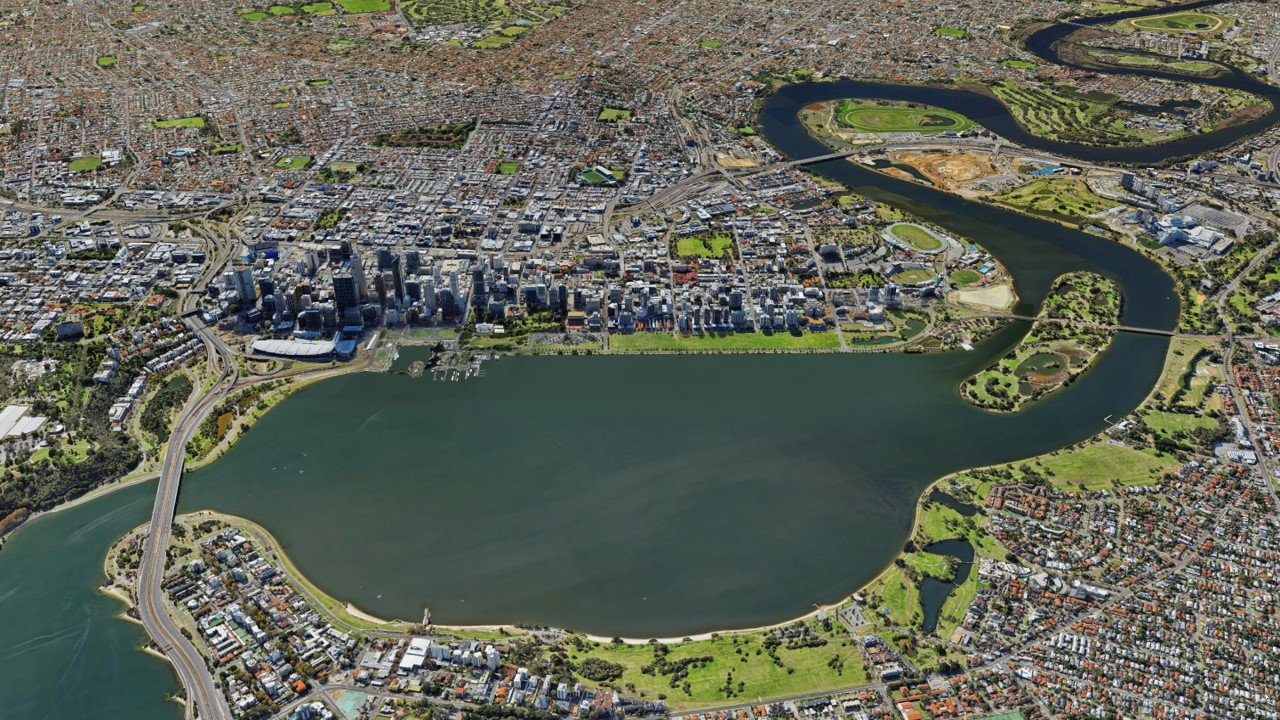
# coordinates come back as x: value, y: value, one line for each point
x: 341, y: 613
x: 138, y: 477
x: 293, y: 381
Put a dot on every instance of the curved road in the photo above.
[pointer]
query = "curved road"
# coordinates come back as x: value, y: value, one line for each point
x: 203, y: 699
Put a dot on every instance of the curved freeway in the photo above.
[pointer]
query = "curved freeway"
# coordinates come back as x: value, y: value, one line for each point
x: 202, y: 696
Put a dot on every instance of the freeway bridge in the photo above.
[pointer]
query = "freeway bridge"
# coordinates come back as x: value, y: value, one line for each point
x: 203, y: 698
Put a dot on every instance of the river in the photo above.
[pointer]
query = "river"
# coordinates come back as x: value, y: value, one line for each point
x: 642, y: 496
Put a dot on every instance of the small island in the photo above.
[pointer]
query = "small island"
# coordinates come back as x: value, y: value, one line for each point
x: 1076, y: 323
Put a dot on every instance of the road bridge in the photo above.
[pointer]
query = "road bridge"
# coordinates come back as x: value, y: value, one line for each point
x: 202, y: 698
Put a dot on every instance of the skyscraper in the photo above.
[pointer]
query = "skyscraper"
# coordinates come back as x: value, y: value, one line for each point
x: 345, y: 294
x: 242, y: 281
x: 356, y: 268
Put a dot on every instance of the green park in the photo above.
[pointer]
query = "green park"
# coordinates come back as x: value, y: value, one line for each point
x: 1073, y: 328
x: 729, y: 342
x: 299, y: 162
x: 1065, y: 199
x: 713, y: 245
x: 88, y: 163
x: 612, y: 114
x: 193, y: 122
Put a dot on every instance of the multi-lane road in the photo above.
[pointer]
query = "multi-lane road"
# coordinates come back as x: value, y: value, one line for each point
x: 203, y: 698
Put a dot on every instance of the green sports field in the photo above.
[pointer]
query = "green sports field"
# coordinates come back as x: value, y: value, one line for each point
x: 708, y: 246
x: 293, y: 163
x: 881, y: 118
x: 85, y: 164
x: 611, y: 114
x: 195, y: 121
x: 364, y: 6
x: 917, y: 237
x: 913, y: 276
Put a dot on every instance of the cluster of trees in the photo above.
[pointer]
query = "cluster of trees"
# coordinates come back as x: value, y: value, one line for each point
x: 450, y: 136
x: 102, y: 253
x: 68, y: 396
x: 678, y: 669
x: 506, y: 712
x: 341, y: 175
x: 250, y: 398
x: 330, y: 218
x: 157, y: 416
x: 600, y: 670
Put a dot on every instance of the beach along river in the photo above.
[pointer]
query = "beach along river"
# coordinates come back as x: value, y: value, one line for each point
x: 620, y: 495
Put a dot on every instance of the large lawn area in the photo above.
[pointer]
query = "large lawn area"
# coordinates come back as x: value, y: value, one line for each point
x: 836, y: 664
x: 913, y: 276
x: 1097, y: 464
x: 894, y: 598
x: 294, y: 163
x: 364, y: 6
x: 85, y: 164
x: 1061, y: 111
x: 612, y: 114
x: 707, y: 246
x: 917, y: 237
x: 1182, y: 352
x: 727, y: 341
x: 1167, y: 423
x: 194, y: 122
x: 878, y: 117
